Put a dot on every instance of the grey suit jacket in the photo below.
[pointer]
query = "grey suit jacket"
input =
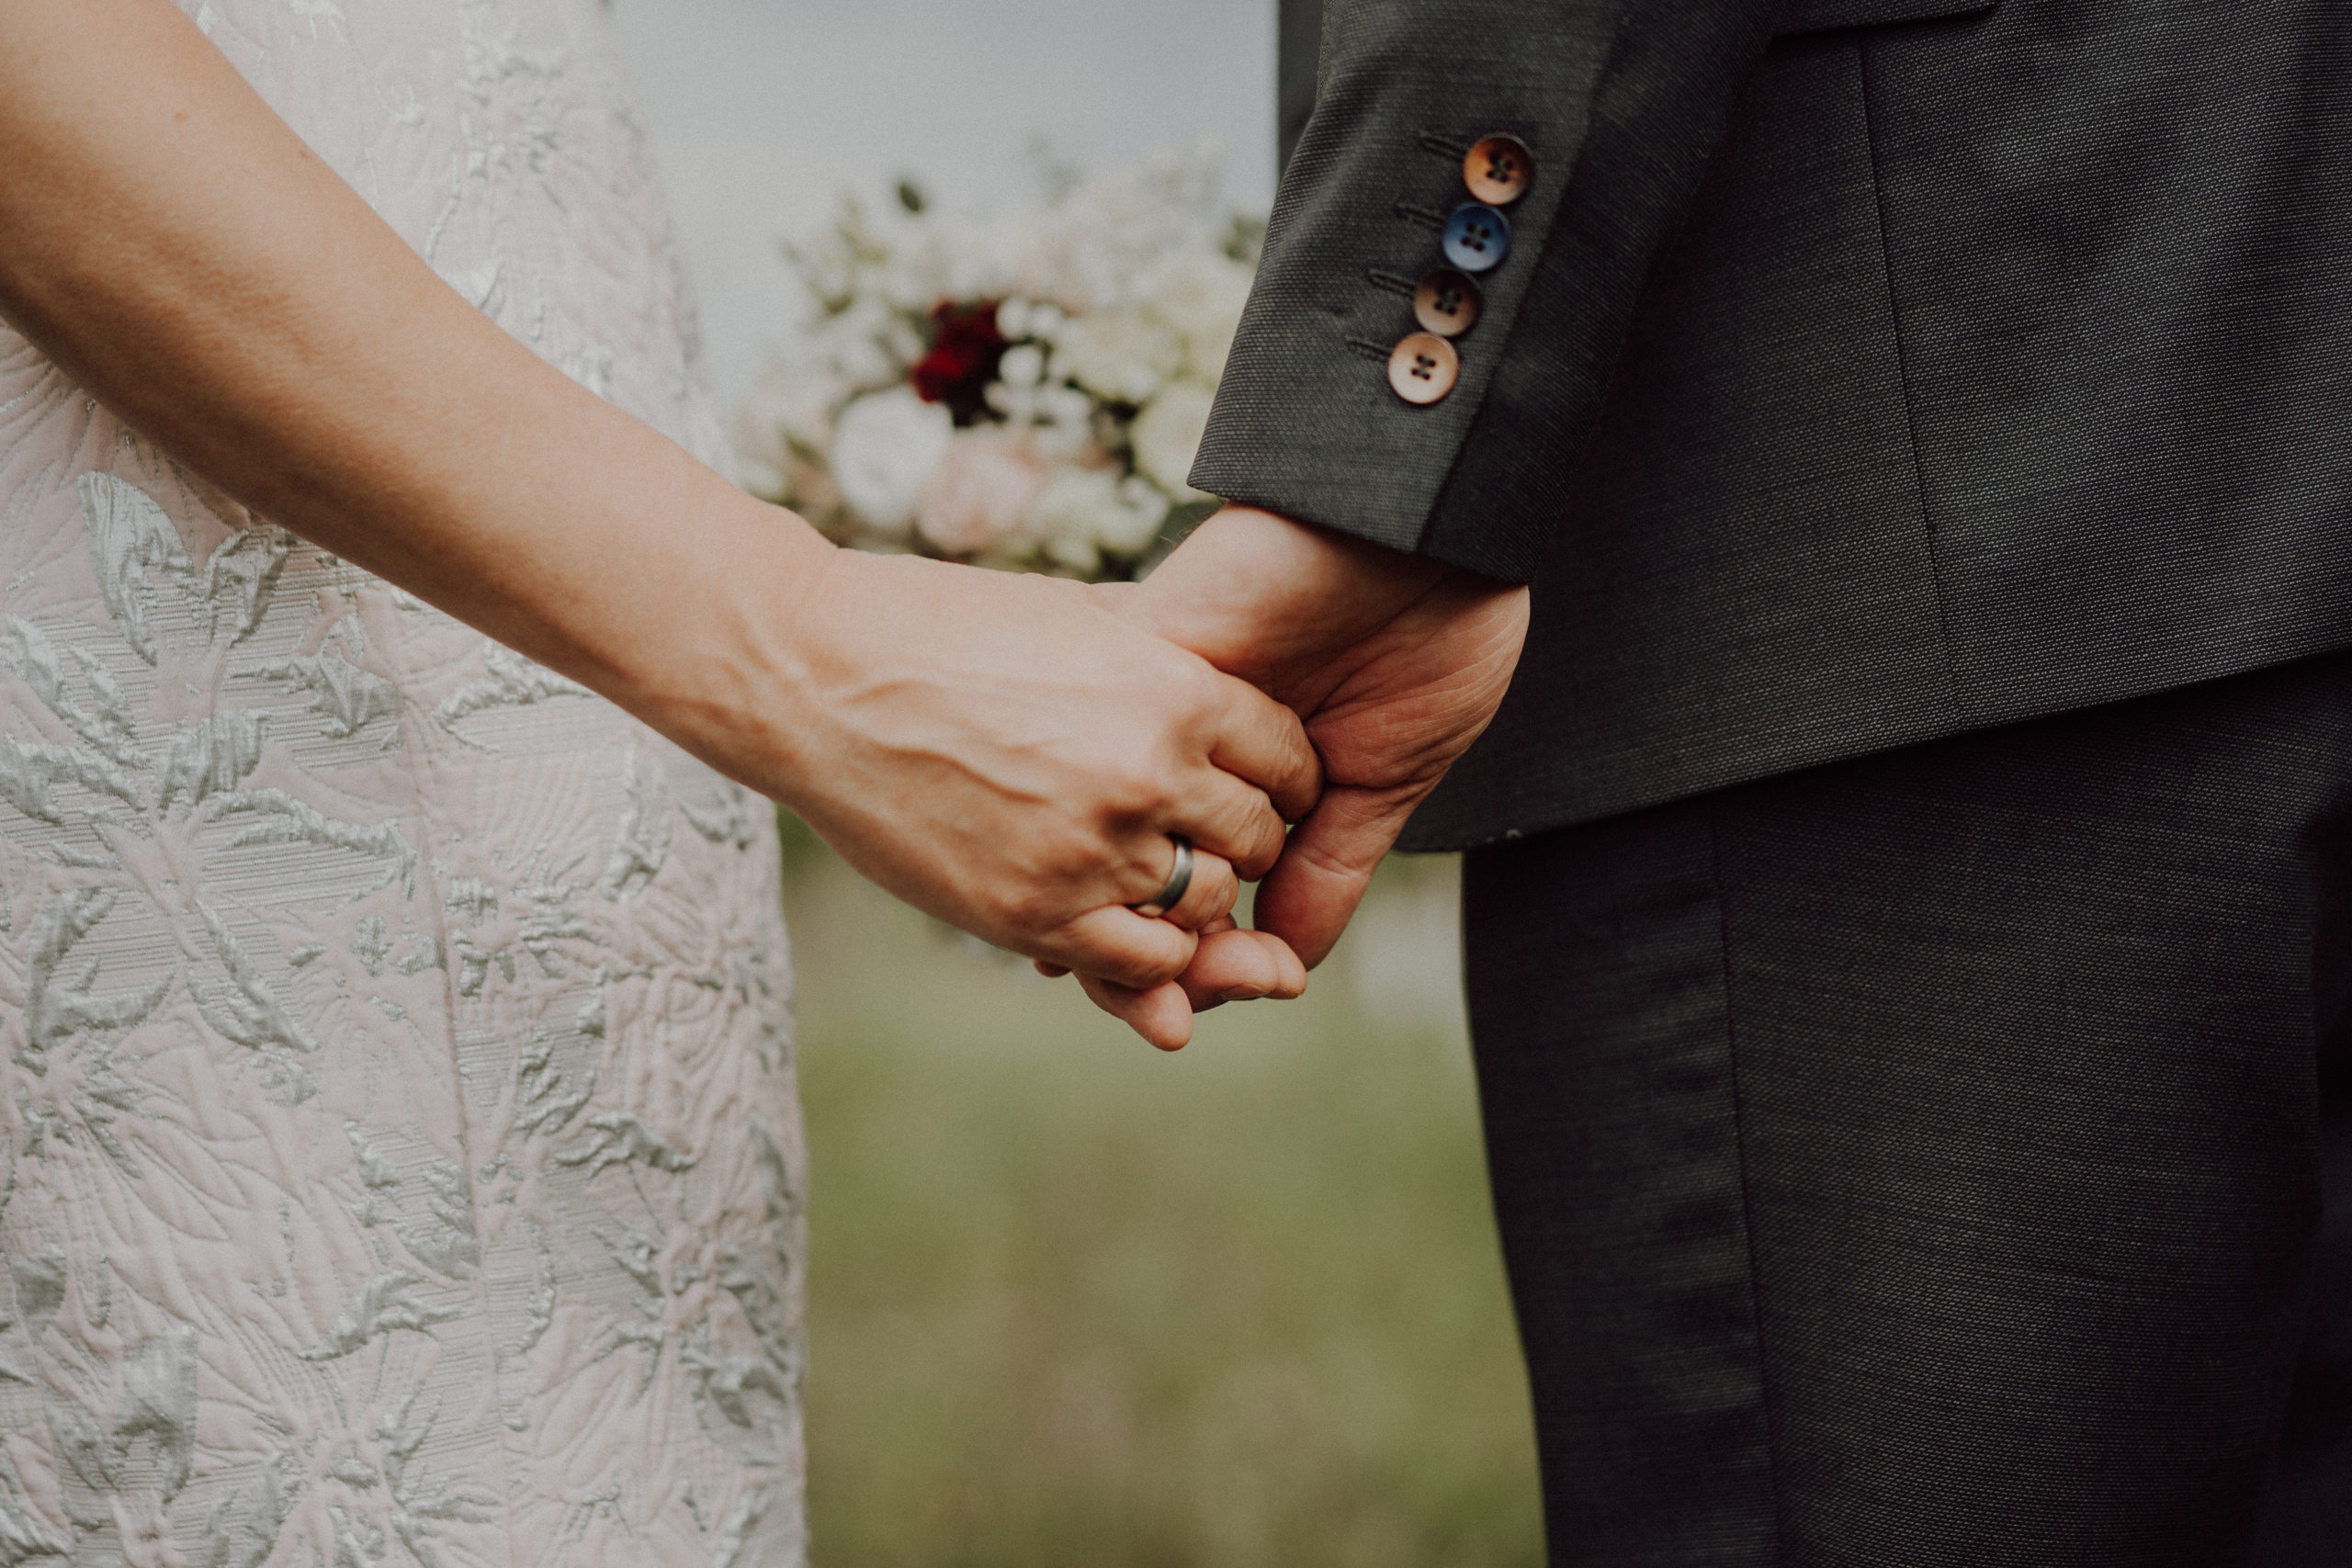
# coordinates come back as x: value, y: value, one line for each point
x: 1863, y: 371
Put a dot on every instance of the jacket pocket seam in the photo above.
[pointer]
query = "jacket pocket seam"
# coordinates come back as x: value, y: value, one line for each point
x: 1800, y: 16
x: 1931, y: 536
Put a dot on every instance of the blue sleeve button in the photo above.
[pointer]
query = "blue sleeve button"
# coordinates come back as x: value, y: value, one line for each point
x: 1477, y: 237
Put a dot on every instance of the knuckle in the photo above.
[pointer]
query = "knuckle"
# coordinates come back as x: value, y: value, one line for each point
x: 1025, y: 909
x: 1142, y: 956
x: 1131, y: 787
x: 1196, y: 687
x: 1061, y: 861
x: 1151, y: 971
x: 1135, y: 792
x: 1258, y: 842
x: 1305, y: 765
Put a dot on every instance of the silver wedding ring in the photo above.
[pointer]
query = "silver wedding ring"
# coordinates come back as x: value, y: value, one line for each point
x: 1177, y: 881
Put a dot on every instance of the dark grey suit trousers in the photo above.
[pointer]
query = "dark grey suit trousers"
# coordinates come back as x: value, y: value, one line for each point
x: 1943, y: 1156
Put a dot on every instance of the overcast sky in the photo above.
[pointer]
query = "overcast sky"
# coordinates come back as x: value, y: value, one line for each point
x: 764, y: 111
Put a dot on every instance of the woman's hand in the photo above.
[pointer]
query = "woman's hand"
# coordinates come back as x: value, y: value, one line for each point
x: 1003, y: 752
x: 1007, y: 753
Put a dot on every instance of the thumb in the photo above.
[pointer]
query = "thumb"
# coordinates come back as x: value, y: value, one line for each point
x: 1313, y: 891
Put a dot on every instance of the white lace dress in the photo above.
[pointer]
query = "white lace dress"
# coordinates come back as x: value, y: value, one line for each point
x: 401, y: 1160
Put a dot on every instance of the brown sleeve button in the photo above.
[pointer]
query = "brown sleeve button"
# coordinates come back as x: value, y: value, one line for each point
x: 1498, y: 170
x: 1446, y: 303
x: 1423, y: 368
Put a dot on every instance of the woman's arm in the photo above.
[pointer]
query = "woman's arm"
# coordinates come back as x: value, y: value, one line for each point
x: 1002, y: 751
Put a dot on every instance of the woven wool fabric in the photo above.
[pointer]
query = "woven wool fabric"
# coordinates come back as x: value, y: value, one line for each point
x: 1909, y: 952
x: 401, y: 1161
x: 1944, y: 1157
x: 1864, y: 371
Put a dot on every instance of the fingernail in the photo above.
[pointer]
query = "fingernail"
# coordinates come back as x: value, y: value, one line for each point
x: 1243, y: 994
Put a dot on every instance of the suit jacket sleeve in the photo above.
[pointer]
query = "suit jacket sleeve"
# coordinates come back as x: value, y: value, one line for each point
x: 1621, y: 103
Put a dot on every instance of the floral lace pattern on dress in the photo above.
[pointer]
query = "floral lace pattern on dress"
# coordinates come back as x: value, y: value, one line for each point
x: 399, y: 1154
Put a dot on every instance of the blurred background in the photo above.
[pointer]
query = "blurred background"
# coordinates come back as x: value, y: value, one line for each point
x: 1073, y: 1303
x: 764, y: 111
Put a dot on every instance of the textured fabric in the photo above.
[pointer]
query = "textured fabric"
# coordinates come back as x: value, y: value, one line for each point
x: 401, y: 1162
x: 1922, y: 1159
x: 1297, y: 47
x: 1878, y: 385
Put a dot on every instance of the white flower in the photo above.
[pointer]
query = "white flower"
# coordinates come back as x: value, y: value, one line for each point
x: 1079, y: 556
x: 868, y: 344
x: 886, y: 447
x: 787, y: 419
x: 1119, y: 355
x: 1071, y: 509
x: 1200, y: 297
x: 1093, y: 246
x: 1136, y: 522
x: 1167, y: 437
x: 796, y: 404
x: 760, y: 460
x: 1085, y: 512
x: 981, y: 495
x: 1022, y: 365
x: 1056, y: 421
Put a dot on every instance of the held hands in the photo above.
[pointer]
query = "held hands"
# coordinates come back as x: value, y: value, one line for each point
x: 1012, y: 754
x: 1009, y: 754
x: 1395, y: 664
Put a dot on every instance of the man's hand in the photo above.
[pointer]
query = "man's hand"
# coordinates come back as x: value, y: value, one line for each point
x: 1396, y: 663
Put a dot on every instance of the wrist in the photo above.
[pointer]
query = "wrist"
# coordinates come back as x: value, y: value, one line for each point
x: 1257, y: 593
x: 717, y: 657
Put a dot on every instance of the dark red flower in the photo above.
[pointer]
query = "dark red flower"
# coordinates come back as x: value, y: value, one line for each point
x: 961, y: 361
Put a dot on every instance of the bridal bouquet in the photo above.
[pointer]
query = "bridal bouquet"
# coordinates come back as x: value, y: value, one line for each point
x: 1024, y: 391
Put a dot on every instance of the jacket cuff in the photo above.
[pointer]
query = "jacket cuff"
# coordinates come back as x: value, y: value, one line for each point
x: 1621, y: 107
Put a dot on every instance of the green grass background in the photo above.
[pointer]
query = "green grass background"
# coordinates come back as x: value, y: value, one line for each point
x: 1075, y: 1305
